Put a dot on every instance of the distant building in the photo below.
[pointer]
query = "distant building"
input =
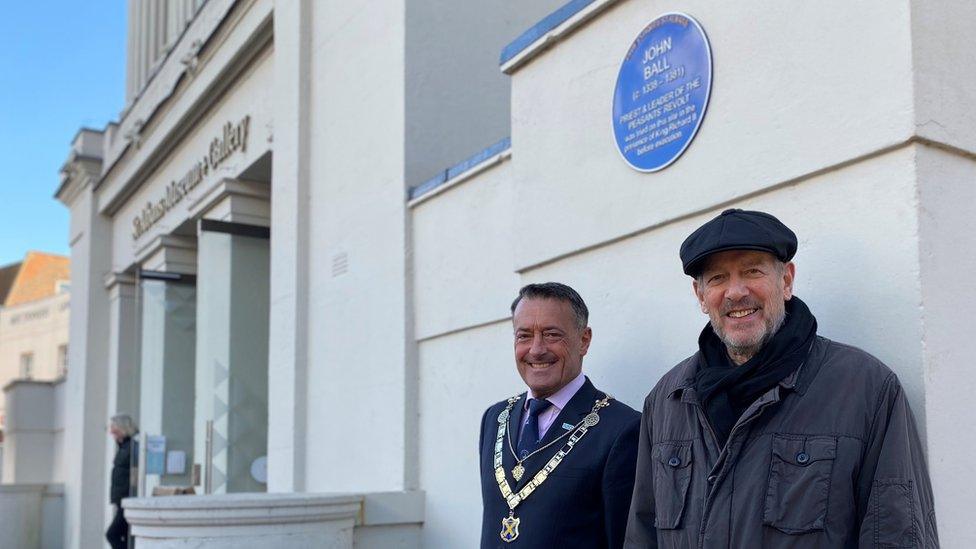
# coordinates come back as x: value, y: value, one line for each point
x: 33, y: 320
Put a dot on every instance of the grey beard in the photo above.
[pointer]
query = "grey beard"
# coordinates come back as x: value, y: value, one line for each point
x: 746, y: 352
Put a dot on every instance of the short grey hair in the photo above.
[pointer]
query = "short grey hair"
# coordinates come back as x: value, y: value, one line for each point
x: 559, y: 292
x: 125, y: 424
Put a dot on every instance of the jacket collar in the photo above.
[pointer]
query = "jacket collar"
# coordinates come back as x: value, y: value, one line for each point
x: 575, y: 410
x: 798, y: 381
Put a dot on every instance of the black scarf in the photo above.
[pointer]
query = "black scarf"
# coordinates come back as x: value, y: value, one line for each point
x: 726, y: 390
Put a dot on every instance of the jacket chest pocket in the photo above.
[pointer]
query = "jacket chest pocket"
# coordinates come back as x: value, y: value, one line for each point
x: 672, y: 476
x: 799, y: 483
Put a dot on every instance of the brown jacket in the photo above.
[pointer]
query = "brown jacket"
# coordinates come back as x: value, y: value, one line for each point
x: 830, y: 457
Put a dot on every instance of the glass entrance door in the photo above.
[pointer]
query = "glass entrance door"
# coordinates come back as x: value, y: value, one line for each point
x: 233, y: 282
x: 167, y: 378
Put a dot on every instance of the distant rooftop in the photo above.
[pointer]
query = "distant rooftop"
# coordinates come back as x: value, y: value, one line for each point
x: 36, y: 277
x: 7, y: 275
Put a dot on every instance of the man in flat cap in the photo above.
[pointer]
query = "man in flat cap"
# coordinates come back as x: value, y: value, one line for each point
x: 770, y: 435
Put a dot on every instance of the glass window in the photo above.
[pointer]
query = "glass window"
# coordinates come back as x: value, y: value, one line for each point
x: 27, y: 365
x: 63, y: 360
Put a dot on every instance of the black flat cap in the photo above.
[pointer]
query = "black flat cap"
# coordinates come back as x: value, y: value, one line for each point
x: 737, y: 230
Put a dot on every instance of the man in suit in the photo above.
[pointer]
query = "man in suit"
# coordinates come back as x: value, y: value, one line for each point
x: 558, y: 461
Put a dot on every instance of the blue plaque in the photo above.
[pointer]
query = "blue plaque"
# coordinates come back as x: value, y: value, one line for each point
x: 662, y: 92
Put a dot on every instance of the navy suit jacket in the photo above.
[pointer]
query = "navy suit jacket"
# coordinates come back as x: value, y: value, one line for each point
x: 585, y: 502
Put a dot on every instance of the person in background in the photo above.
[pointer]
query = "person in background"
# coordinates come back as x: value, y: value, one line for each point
x: 122, y: 428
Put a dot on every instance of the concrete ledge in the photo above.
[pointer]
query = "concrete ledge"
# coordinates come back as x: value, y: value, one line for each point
x: 40, y: 383
x: 146, y: 514
x: 551, y: 29
x: 265, y: 520
x: 384, y: 508
x: 22, y: 488
x: 462, y: 171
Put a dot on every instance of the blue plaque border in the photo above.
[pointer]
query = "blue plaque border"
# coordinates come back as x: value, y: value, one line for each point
x: 708, y: 92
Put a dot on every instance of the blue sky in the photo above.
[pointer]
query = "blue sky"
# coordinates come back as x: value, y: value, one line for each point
x: 63, y: 67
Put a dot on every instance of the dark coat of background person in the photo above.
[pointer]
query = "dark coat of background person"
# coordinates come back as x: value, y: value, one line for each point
x: 584, y: 502
x: 121, y: 467
x: 829, y: 457
x: 118, y: 531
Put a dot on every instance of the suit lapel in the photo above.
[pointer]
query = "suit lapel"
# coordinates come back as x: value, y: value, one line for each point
x: 575, y: 410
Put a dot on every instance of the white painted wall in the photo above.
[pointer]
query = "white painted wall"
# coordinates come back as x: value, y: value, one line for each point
x: 32, y: 516
x: 943, y: 66
x: 798, y: 87
x: 359, y: 373
x: 20, y: 515
x: 462, y: 255
x: 38, y: 327
x: 461, y: 374
x: 947, y: 252
x: 944, y: 96
x: 33, y: 438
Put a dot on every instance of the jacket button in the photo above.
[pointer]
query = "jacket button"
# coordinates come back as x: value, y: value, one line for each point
x: 802, y: 458
x: 711, y: 479
x: 674, y: 462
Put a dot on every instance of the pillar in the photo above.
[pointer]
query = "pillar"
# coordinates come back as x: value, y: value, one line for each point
x: 86, y: 386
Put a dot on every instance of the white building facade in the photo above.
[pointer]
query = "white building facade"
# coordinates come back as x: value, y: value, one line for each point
x: 265, y: 273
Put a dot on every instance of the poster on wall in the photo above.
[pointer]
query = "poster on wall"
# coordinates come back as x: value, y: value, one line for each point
x: 662, y: 92
x: 155, y: 454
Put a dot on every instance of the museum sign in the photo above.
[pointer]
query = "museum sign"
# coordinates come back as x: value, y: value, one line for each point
x: 233, y: 138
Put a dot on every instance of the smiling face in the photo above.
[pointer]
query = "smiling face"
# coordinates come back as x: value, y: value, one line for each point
x: 744, y: 293
x: 549, y: 344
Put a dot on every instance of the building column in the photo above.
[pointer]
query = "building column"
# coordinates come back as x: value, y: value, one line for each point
x: 167, y: 297
x: 945, y: 160
x: 233, y: 281
x: 122, y: 377
x: 947, y: 252
x: 290, y: 244
x: 123, y: 338
x: 86, y: 386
